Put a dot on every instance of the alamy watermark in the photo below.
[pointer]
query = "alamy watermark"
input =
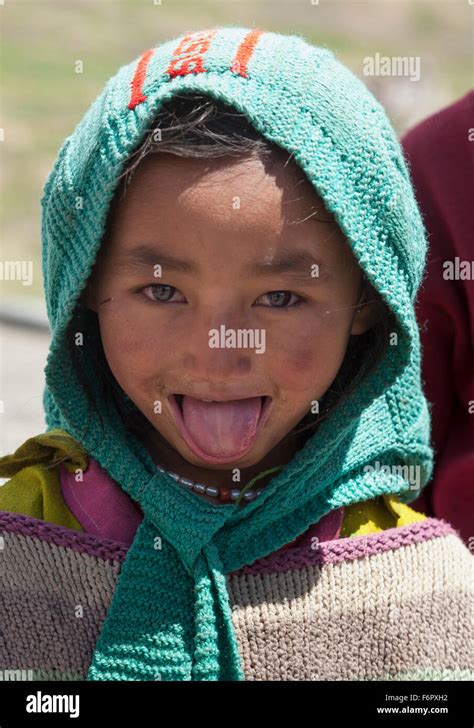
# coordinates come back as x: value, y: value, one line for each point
x: 458, y: 270
x: 378, y: 65
x: 43, y: 703
x: 410, y: 473
x: 16, y: 675
x: 17, y: 270
x: 223, y: 338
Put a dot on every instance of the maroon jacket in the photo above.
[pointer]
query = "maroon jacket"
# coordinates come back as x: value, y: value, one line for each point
x: 441, y: 158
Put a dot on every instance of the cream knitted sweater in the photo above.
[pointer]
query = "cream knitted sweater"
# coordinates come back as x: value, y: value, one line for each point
x: 395, y: 605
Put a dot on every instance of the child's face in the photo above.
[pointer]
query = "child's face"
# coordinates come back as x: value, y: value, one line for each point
x: 220, y: 223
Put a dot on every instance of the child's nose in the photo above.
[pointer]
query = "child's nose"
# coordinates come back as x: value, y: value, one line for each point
x: 218, y: 365
x: 219, y: 346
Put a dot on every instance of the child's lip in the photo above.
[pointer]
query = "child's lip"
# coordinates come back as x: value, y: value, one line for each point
x: 230, y: 397
x: 176, y: 410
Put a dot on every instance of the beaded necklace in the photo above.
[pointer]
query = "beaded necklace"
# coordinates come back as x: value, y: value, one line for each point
x: 223, y: 494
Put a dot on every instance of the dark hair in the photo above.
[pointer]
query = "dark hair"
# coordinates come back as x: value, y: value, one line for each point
x: 194, y: 125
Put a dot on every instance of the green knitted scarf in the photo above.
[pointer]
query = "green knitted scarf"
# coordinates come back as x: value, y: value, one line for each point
x: 170, y: 617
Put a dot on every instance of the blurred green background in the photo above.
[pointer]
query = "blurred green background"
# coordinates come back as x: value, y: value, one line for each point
x: 43, y: 98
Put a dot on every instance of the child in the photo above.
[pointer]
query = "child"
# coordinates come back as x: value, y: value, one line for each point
x: 231, y: 254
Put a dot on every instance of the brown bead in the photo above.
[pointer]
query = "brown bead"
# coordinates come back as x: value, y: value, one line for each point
x: 224, y: 495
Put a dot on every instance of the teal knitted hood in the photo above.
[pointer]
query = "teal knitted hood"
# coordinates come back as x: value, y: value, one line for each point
x: 170, y: 618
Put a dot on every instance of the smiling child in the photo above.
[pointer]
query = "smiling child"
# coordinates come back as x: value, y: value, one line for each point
x: 236, y: 423
x: 218, y: 238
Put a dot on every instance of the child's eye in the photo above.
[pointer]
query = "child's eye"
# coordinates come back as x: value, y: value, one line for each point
x: 160, y: 293
x: 282, y: 298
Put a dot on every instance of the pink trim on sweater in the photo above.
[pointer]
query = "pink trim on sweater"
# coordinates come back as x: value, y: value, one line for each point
x: 101, y: 548
x: 344, y: 549
x: 352, y: 547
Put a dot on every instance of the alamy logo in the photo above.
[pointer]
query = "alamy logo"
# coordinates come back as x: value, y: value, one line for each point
x: 378, y: 65
x: 458, y: 270
x: 42, y: 703
x: 17, y: 270
x: 410, y: 473
x: 14, y: 675
x: 223, y: 338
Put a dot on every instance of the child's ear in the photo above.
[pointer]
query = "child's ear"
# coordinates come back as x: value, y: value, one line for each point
x: 368, y: 312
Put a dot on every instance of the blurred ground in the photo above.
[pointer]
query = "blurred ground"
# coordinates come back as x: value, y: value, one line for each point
x: 22, y: 359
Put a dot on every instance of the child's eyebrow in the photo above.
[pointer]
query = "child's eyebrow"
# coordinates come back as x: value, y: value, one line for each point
x: 296, y: 264
x: 146, y: 257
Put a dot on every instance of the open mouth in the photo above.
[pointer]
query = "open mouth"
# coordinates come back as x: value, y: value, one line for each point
x: 219, y: 431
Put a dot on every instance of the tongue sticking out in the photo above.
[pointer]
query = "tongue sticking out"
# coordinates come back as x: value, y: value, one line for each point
x: 221, y: 428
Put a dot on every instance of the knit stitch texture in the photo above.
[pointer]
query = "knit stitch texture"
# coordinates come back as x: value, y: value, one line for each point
x: 170, y: 617
x: 355, y: 609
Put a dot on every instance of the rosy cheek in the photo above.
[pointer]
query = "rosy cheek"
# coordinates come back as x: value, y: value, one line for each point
x: 126, y: 346
x: 295, y: 369
x: 301, y: 361
x: 135, y: 334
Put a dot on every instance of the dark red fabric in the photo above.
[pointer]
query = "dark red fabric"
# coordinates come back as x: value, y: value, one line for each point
x: 441, y: 159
